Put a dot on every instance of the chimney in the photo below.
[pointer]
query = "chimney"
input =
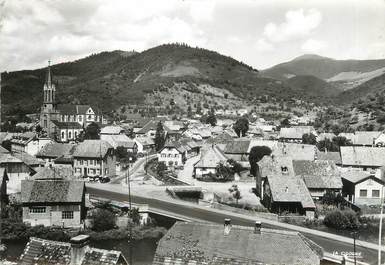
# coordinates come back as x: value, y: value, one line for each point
x: 79, y: 245
x: 227, y: 226
x: 257, y: 227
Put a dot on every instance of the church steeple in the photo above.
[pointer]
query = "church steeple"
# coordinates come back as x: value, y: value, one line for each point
x: 49, y: 89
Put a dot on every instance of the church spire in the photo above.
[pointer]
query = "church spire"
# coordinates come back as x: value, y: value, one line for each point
x: 49, y: 75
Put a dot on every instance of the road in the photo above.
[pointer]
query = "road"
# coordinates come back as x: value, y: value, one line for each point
x: 135, y: 169
x: 200, y: 213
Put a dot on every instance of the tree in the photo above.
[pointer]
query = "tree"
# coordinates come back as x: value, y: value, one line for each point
x: 38, y: 129
x: 161, y: 169
x: 309, y: 138
x: 241, y: 126
x: 92, y: 131
x: 285, y: 122
x: 211, y: 119
x: 256, y: 154
x: 7, y: 145
x: 103, y: 220
x: 159, y: 137
x: 235, y: 192
x: 121, y: 153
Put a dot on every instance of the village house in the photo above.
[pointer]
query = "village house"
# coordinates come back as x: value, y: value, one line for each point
x: 173, y: 154
x: 145, y: 145
x: 334, y: 157
x: 53, y: 151
x: 111, y: 130
x: 231, y: 244
x: 28, y: 142
x: 319, y: 177
x: 294, y: 134
x: 77, y: 251
x: 369, y: 159
x: 362, y: 187
x: 207, y: 164
x: 53, y: 202
x: 31, y: 161
x: 281, y: 191
x: 94, y: 158
x: 16, y: 170
x: 65, y: 132
x: 148, y: 130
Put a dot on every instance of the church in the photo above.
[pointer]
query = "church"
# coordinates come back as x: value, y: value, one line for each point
x: 65, y: 122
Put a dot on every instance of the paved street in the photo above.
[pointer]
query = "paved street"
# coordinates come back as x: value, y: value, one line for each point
x: 329, y: 242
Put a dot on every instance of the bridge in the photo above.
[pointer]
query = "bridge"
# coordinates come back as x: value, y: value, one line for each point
x: 185, y: 211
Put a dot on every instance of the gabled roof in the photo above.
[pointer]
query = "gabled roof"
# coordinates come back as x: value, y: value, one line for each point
x: 111, y: 130
x: 362, y: 156
x: 210, y: 158
x: 296, y: 151
x: 54, y: 150
x: 203, y: 243
x: 151, y: 125
x: 23, y: 138
x: 355, y: 176
x: 71, y: 109
x: 237, y: 147
x: 366, y: 137
x: 145, y: 141
x: 52, y: 191
x: 28, y: 159
x: 295, y: 132
x: 92, y: 149
x: 329, y: 156
x: 54, y: 173
x: 67, y: 125
x: 41, y: 252
x: 3, y: 174
x: 318, y: 174
x: 181, y: 148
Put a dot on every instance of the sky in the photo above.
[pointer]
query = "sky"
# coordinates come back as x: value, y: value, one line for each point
x: 259, y: 33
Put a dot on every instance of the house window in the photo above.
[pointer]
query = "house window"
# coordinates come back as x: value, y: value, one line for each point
x: 69, y: 135
x: 91, y: 162
x: 98, y: 171
x: 89, y: 117
x: 363, y: 193
x: 106, y: 171
x: 37, y: 210
x: 76, y: 134
x: 81, y: 162
x: 176, y: 155
x: 67, y: 215
x: 80, y: 118
x: 375, y: 193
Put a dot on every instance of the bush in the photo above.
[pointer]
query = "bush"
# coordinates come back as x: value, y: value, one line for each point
x: 342, y: 219
x: 103, y: 220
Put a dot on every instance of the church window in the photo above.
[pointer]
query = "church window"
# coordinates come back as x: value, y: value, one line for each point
x: 69, y: 135
x: 62, y: 135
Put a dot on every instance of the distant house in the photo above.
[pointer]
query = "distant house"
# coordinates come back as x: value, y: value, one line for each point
x: 145, y: 144
x: 362, y: 188
x: 52, y: 151
x: 148, y: 130
x: 28, y: 142
x: 111, y: 130
x: 281, y: 191
x: 17, y: 170
x: 324, y: 136
x: 173, y: 154
x: 53, y: 202
x: 66, y: 131
x: 230, y: 244
x: 41, y: 251
x: 208, y: 162
x: 294, y: 134
x: 94, y: 158
x: 366, y: 138
x: 120, y: 140
x: 370, y: 159
x: 319, y: 176
x: 349, y: 136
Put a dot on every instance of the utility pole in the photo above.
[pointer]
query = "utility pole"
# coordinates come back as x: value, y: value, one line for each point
x: 130, y: 209
x: 355, y: 233
x: 380, y: 227
x: 0, y: 101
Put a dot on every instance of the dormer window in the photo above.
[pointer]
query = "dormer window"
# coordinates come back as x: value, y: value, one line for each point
x: 284, y: 170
